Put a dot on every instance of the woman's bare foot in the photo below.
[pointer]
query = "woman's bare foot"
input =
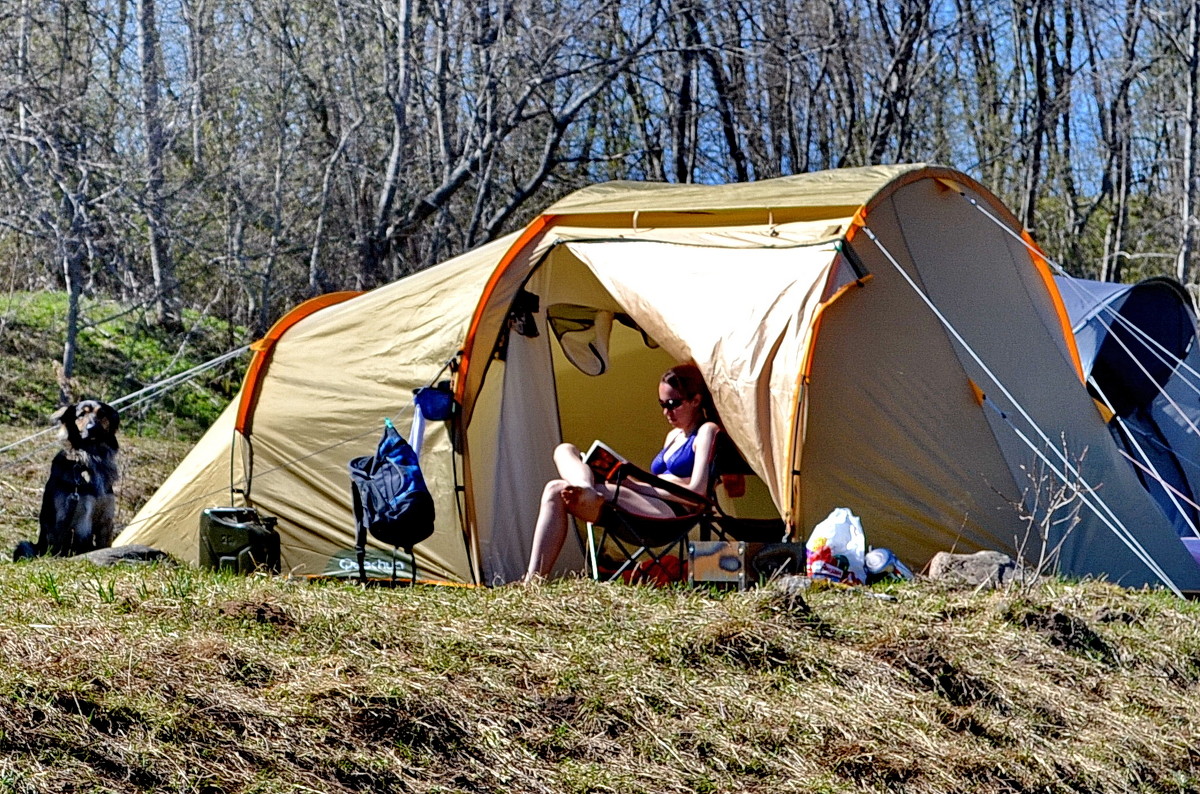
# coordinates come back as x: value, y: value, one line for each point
x: 583, y: 503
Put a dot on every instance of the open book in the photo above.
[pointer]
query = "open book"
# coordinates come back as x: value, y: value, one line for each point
x: 603, y: 460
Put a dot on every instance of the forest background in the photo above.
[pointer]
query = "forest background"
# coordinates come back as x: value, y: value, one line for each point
x: 233, y: 158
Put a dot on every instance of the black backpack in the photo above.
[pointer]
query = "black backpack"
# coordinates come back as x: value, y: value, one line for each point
x: 391, y: 500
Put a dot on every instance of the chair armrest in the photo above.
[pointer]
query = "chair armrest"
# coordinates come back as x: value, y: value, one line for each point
x: 628, y: 471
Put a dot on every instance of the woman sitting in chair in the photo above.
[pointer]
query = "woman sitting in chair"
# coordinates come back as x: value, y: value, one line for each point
x: 685, y: 459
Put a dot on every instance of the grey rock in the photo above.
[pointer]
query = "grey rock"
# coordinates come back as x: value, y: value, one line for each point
x: 986, y: 568
x: 791, y: 584
x: 132, y: 554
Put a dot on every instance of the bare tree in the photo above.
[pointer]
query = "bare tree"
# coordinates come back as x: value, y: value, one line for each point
x: 166, y: 287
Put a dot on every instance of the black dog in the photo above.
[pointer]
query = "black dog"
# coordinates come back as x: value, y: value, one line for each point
x: 78, y: 506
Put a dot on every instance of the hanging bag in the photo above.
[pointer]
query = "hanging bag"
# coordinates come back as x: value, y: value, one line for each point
x: 391, y: 500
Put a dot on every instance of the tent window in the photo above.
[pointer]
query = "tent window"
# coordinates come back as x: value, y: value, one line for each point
x: 583, y: 332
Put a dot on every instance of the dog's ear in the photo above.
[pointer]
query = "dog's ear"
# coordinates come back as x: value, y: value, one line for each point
x: 110, y: 418
x: 64, y: 415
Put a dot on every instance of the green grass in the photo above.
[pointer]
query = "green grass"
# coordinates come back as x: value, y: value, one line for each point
x: 119, y: 352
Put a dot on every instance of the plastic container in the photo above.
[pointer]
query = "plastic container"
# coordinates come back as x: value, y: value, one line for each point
x: 882, y: 564
x: 238, y: 539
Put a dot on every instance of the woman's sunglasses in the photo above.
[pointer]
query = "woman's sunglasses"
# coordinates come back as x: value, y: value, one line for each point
x: 672, y: 404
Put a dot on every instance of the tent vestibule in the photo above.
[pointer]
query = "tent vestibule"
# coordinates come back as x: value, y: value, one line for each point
x: 1140, y: 354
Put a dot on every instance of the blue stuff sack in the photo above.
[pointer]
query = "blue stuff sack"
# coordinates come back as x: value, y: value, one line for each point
x: 436, y: 403
x: 391, y: 500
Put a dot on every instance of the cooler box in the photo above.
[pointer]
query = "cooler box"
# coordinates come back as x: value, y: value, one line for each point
x: 238, y: 539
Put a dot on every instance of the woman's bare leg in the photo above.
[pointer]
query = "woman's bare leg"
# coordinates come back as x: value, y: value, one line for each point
x: 549, y: 533
x: 571, y: 467
x: 586, y: 499
x: 576, y: 494
x: 553, y: 519
x: 581, y: 496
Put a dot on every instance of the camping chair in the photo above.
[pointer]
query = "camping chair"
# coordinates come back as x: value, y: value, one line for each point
x: 726, y: 525
x: 645, y: 544
x: 642, y: 545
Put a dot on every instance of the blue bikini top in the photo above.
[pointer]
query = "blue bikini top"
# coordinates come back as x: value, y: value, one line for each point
x: 681, y: 461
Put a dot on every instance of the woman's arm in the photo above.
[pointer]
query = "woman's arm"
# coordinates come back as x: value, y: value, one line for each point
x: 705, y: 448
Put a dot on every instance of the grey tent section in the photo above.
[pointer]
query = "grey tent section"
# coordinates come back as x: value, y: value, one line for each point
x: 1138, y: 347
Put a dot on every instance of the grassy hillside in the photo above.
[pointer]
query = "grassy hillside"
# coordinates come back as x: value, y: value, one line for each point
x: 170, y: 679
x: 174, y: 680
x: 119, y: 353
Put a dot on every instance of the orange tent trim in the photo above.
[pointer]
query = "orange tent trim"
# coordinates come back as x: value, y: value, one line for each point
x: 536, y: 227
x: 1064, y: 319
x: 263, y: 348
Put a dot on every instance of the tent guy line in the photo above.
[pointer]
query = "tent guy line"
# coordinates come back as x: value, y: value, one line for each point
x: 1086, y: 492
x: 1154, y: 441
x: 276, y: 468
x: 1153, y: 470
x: 1142, y: 367
x: 1150, y: 342
x: 1145, y: 456
x: 1153, y: 345
x: 1165, y: 357
x: 1108, y: 517
x: 1166, y: 485
x: 29, y: 455
x: 150, y: 392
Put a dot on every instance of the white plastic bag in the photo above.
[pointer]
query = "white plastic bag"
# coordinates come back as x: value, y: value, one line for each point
x: 839, y: 535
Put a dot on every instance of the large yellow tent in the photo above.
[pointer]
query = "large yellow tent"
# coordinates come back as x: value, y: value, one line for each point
x: 886, y: 339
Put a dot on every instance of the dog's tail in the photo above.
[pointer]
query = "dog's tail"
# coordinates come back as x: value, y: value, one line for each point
x: 24, y: 551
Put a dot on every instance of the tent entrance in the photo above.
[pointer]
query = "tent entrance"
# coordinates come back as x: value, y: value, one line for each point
x: 590, y: 370
x: 578, y: 369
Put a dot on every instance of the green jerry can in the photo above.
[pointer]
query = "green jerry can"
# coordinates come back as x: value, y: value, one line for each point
x: 238, y: 539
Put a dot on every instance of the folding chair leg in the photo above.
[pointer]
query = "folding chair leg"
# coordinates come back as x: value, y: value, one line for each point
x: 593, y: 554
x: 591, y: 551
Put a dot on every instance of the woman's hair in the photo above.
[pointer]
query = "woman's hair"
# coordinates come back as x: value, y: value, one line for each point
x: 687, y: 380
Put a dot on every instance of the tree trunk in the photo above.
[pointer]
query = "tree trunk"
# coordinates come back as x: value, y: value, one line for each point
x: 376, y: 245
x: 1039, y: 36
x: 163, y: 269
x: 195, y: 13
x: 72, y: 253
x: 1191, y: 130
x: 684, y: 121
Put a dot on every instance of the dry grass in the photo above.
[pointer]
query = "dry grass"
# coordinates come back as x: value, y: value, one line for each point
x: 145, y: 462
x: 176, y: 680
x: 161, y: 679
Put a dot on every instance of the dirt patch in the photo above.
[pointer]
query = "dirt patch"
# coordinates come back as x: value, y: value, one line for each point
x: 1064, y: 631
x: 257, y: 612
x: 868, y: 766
x: 425, y: 725
x: 743, y: 645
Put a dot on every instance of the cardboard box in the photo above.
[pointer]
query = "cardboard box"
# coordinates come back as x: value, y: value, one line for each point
x: 735, y: 563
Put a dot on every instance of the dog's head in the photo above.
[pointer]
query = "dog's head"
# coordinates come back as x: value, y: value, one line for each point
x: 89, y: 422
